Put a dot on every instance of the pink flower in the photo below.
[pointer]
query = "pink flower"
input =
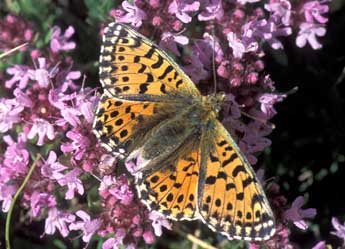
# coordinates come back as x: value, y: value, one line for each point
x: 134, y: 15
x: 314, y: 10
x: 72, y: 182
x: 296, y: 214
x: 60, y: 42
x: 213, y: 9
x: 52, y: 168
x: 169, y: 40
x: 280, y: 11
x: 79, y: 144
x: 87, y: 226
x: 116, y: 241
x: 58, y: 220
x: 42, y: 75
x: 20, y: 75
x: 149, y: 237
x: 267, y: 101
x: 339, y: 229
x: 320, y: 245
x: 182, y: 8
x: 239, y: 47
x: 22, y: 98
x: 308, y: 33
x: 159, y: 221
x: 6, y: 195
x: 117, y: 187
x: 40, y: 200
x: 43, y: 129
x: 10, y: 111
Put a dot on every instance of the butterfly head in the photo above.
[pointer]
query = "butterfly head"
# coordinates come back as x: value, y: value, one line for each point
x: 215, y: 101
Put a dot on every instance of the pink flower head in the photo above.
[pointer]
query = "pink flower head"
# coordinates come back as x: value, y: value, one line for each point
x: 314, y: 10
x: 149, y: 237
x: 308, y: 33
x: 42, y: 75
x: 73, y: 183
x: 39, y: 201
x: 10, y: 111
x: 22, y: 98
x: 159, y: 221
x: 213, y: 9
x: 134, y: 15
x: 117, y: 187
x: 60, y: 42
x: 6, y: 195
x: 182, y: 8
x: 243, y: 2
x: 20, y: 76
x: 58, y: 220
x: 87, y: 226
x: 296, y: 214
x: 43, y: 129
x: 339, y: 229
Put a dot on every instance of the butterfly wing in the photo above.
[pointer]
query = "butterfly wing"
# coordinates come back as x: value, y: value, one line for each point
x: 231, y: 199
x: 172, y: 189
x: 142, y: 87
x: 130, y: 64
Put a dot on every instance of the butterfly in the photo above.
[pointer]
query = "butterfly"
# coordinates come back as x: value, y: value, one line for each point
x: 189, y: 166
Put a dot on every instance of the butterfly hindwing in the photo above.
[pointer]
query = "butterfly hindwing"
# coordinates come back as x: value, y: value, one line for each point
x: 130, y: 64
x: 172, y: 189
x: 231, y: 200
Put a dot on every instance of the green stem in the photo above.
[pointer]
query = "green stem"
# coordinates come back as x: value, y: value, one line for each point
x: 20, y: 189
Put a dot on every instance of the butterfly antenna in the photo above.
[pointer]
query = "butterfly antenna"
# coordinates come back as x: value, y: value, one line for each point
x: 214, y: 62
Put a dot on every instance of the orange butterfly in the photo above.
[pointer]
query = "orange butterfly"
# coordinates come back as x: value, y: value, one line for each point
x: 189, y: 165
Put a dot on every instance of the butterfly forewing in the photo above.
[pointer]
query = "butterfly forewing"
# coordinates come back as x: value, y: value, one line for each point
x: 130, y: 64
x: 231, y: 200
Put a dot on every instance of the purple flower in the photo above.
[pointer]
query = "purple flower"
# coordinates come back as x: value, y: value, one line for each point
x: 320, y: 245
x: 79, y: 144
x: 20, y: 74
x: 134, y: 15
x: 182, y: 8
x: 52, y: 168
x: 239, y: 47
x: 213, y: 9
x: 159, y: 221
x: 6, y: 194
x: 339, y: 229
x: 22, y: 98
x: 16, y: 159
x: 87, y: 226
x: 313, y: 11
x: 281, y: 11
x: 243, y: 2
x: 116, y: 241
x: 72, y: 182
x: 58, y: 220
x: 308, y: 33
x: 148, y: 237
x: 43, y: 129
x: 117, y: 187
x: 60, y: 42
x: 296, y: 214
x: 195, y: 69
x: 40, y: 200
x: 10, y: 111
x: 169, y: 40
x: 42, y: 75
x: 267, y: 101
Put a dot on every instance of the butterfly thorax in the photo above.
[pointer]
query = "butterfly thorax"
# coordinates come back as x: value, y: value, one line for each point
x: 211, y: 104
